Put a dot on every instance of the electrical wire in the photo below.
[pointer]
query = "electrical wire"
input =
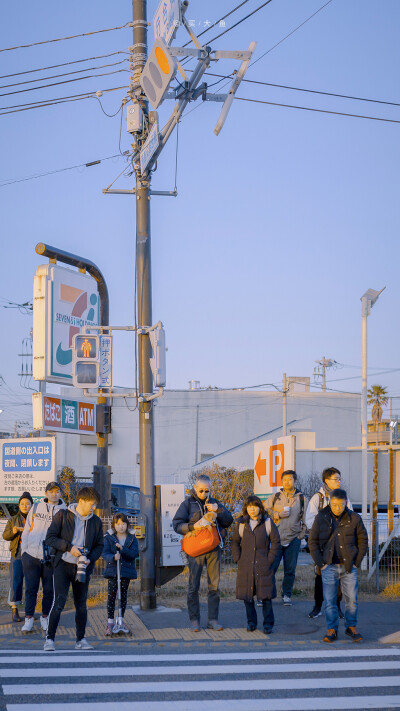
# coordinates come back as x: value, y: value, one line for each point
x: 65, y: 81
x: 63, y: 64
x: 221, y: 19
x: 66, y: 74
x: 52, y: 172
x: 52, y: 102
x: 61, y: 39
x: 322, y: 111
x: 239, y: 22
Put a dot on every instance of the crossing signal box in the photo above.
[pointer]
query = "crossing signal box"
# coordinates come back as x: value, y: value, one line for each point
x: 158, y: 73
x: 85, y: 361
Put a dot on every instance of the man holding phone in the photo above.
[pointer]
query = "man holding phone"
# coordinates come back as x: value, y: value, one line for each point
x: 188, y: 518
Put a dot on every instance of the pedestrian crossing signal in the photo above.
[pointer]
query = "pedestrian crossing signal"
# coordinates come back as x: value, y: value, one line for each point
x: 85, y: 361
x: 158, y: 73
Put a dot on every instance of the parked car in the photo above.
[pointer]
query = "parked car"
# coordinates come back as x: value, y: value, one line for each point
x: 125, y: 499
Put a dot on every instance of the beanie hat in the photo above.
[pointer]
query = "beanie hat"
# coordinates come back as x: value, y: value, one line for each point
x: 26, y: 495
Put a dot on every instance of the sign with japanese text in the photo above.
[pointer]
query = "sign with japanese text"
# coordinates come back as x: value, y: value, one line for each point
x: 271, y: 458
x: 149, y: 147
x: 167, y: 19
x: 105, y: 361
x: 5, y: 555
x: 64, y: 301
x: 62, y: 415
x: 27, y: 464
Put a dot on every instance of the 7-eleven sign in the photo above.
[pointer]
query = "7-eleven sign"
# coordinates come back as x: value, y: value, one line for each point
x: 271, y: 458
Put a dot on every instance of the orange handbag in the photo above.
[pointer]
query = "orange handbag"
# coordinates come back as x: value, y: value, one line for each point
x: 200, y: 541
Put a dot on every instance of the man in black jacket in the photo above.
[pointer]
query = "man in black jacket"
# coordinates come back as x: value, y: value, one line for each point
x: 76, y: 535
x: 338, y: 542
x: 188, y: 518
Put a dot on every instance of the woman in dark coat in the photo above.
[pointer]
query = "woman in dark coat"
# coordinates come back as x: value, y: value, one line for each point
x: 255, y: 546
x: 12, y: 532
x: 120, y: 545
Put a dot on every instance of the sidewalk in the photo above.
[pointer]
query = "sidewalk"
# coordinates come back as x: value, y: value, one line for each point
x: 169, y: 626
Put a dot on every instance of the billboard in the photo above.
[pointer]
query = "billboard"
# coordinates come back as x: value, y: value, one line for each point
x: 60, y: 414
x: 63, y: 302
x: 271, y: 458
x: 26, y: 464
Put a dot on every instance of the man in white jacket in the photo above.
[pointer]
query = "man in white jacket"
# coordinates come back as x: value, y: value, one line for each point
x: 331, y: 480
x: 35, y: 570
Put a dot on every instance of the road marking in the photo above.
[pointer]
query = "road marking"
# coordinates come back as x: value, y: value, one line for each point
x: 322, y: 667
x: 319, y: 654
x: 193, y: 686
x: 298, y: 704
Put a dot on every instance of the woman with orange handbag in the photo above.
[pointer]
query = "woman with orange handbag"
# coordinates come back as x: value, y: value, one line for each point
x: 192, y: 517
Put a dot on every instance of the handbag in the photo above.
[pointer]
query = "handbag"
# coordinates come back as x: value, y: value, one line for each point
x: 200, y: 541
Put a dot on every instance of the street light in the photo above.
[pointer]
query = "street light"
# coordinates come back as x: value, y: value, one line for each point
x: 367, y: 301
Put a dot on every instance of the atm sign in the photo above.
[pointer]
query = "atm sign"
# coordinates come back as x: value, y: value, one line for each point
x: 62, y: 415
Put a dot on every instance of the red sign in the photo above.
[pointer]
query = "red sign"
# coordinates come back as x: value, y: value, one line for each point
x: 52, y: 412
x: 86, y: 417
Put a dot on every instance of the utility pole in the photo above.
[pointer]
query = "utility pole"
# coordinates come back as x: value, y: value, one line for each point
x: 144, y: 318
x: 284, y: 395
x: 324, y: 363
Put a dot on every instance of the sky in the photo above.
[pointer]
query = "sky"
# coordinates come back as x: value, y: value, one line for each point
x: 281, y: 223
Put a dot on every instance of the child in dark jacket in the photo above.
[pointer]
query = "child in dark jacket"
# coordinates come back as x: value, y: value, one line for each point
x: 255, y: 546
x: 120, y: 545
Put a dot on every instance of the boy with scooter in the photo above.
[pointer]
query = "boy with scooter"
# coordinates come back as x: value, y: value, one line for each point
x: 120, y: 550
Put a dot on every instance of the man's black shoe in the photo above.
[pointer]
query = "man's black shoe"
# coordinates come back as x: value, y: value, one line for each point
x: 352, y: 632
x: 267, y: 630
x: 315, y: 612
x: 251, y: 628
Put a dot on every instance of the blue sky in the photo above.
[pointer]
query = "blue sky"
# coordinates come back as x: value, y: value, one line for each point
x: 281, y: 223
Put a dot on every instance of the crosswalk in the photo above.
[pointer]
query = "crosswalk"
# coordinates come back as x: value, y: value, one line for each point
x: 296, y: 680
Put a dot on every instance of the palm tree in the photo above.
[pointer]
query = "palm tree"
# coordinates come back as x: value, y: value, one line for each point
x: 377, y: 397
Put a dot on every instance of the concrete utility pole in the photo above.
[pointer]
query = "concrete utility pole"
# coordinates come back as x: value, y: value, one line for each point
x: 144, y: 318
x: 325, y: 363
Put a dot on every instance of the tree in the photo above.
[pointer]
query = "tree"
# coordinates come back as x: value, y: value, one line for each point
x: 377, y: 397
x: 68, y: 483
x: 229, y: 486
x: 309, y: 484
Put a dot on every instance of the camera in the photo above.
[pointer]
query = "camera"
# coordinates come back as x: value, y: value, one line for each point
x: 81, y: 566
x: 48, y: 555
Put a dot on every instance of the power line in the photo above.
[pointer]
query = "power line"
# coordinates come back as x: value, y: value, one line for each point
x: 53, y: 102
x: 59, y: 170
x: 309, y: 91
x: 239, y: 22
x: 64, y: 64
x: 221, y: 19
x: 65, y: 74
x: 61, y: 39
x: 66, y: 81
x: 322, y: 111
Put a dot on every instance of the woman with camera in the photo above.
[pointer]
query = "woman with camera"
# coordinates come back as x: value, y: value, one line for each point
x: 77, y: 537
x: 12, y: 532
x: 122, y: 546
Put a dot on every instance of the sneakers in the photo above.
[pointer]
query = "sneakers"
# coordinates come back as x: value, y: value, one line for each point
x: 267, y: 630
x: 15, y: 615
x: 352, y: 632
x: 28, y: 625
x: 315, y: 612
x: 287, y: 600
x: 251, y: 628
x: 195, y: 625
x: 214, y: 625
x: 331, y: 636
x: 44, y: 623
x: 109, y: 629
x: 340, y: 613
x: 49, y: 646
x: 124, y: 628
x: 82, y: 644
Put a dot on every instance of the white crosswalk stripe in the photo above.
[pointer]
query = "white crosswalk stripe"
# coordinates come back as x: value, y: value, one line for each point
x: 297, y: 680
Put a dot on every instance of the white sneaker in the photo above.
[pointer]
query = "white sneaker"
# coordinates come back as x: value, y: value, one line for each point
x: 49, y: 646
x: 83, y: 645
x: 28, y: 625
x: 44, y: 623
x: 287, y: 600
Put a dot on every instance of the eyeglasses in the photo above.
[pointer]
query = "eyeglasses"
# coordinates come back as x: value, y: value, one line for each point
x: 335, y: 478
x: 204, y: 491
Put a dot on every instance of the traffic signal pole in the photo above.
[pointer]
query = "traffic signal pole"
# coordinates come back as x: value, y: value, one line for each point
x: 144, y: 318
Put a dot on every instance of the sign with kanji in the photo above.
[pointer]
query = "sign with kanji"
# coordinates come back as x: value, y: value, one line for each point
x: 26, y: 464
x: 63, y: 415
x: 271, y: 458
x: 105, y: 367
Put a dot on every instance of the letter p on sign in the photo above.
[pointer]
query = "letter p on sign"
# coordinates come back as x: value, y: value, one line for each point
x: 276, y: 464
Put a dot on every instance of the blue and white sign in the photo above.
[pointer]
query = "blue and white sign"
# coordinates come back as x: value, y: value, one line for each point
x: 27, y: 464
x: 105, y: 362
x: 149, y: 147
x: 167, y: 19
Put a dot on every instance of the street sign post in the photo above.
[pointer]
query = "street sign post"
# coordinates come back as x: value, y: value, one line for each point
x: 167, y: 19
x: 26, y: 464
x: 271, y: 458
x: 59, y: 414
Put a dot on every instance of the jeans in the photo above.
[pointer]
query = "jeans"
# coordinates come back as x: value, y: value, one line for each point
x: 16, y: 582
x: 268, y: 614
x: 319, y: 595
x: 34, y: 571
x: 289, y: 554
x: 212, y: 562
x: 331, y: 576
x: 64, y: 576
